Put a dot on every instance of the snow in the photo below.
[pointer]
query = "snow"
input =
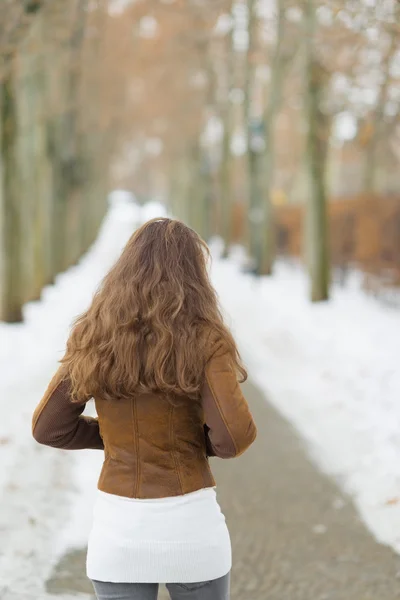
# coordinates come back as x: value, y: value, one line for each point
x: 330, y: 369
x: 46, y: 496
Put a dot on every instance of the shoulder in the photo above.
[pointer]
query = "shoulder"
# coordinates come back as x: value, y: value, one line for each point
x: 216, y: 346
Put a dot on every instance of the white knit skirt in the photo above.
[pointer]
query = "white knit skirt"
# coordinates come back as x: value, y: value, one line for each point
x: 181, y: 539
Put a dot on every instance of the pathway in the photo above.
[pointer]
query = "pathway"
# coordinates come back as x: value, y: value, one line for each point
x: 295, y: 536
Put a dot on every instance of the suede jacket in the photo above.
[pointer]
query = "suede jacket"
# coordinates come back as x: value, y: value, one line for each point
x: 155, y: 446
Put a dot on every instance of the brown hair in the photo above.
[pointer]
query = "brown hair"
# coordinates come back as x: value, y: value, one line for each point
x: 151, y: 322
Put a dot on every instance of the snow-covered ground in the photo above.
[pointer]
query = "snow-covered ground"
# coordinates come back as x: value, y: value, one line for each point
x: 46, y: 496
x: 331, y: 369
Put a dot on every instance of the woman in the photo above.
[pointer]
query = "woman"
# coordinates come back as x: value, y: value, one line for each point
x: 153, y: 352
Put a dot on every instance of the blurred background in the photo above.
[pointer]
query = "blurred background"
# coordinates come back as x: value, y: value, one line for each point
x: 272, y: 127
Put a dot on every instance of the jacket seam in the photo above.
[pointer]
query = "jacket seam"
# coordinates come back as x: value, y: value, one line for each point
x: 136, y: 436
x: 174, y: 456
x: 221, y: 413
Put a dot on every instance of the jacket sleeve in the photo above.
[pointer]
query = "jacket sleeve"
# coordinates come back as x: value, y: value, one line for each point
x: 229, y: 426
x: 58, y: 422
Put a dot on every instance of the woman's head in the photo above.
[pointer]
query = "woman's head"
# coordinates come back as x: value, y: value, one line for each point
x: 150, y: 323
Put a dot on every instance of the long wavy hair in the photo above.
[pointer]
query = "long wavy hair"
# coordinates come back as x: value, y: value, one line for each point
x: 151, y: 322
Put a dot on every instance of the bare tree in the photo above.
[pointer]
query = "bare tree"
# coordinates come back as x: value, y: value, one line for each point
x: 263, y: 229
x: 43, y: 122
x: 378, y: 118
x: 227, y: 120
x: 316, y: 155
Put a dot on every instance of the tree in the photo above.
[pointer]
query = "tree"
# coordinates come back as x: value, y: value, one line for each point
x: 391, y: 35
x: 263, y: 150
x: 249, y: 83
x: 12, y: 295
x: 17, y: 18
x: 227, y: 120
x: 46, y: 116
x: 316, y: 155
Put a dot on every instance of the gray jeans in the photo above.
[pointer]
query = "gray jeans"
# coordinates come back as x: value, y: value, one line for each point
x: 216, y: 589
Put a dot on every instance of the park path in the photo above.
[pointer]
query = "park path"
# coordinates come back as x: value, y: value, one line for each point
x: 294, y: 535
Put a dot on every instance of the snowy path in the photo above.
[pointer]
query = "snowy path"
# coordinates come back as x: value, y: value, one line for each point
x: 294, y: 535
x: 332, y: 370
x: 46, y: 496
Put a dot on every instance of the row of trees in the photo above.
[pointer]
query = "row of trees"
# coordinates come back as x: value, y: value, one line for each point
x: 221, y: 107
x: 53, y: 164
x: 243, y: 102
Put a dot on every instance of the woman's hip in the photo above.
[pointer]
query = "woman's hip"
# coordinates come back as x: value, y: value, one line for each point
x: 216, y: 589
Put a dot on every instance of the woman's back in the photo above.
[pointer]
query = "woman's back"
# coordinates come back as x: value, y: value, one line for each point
x: 154, y: 353
x: 154, y: 446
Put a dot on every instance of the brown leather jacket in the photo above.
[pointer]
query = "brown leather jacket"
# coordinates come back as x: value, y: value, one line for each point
x: 154, y: 446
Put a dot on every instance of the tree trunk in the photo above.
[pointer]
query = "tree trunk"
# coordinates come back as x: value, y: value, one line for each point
x: 59, y: 229
x: 180, y: 197
x: 225, y: 171
x: 252, y: 200
x: 94, y: 148
x: 77, y: 174
x: 173, y: 189
x: 65, y: 145
x: 225, y: 181
x: 36, y: 106
x: 317, y: 143
x: 264, y: 227
x: 197, y: 192
x: 10, y: 235
x: 206, y: 183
